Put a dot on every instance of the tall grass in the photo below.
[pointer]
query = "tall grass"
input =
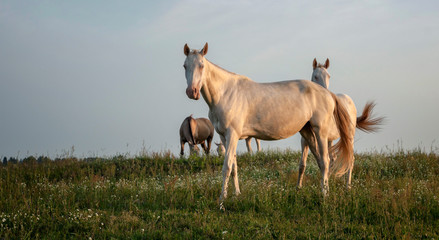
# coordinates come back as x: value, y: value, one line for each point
x: 156, y: 196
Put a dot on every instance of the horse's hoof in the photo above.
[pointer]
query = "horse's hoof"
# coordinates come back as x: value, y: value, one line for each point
x: 222, y: 208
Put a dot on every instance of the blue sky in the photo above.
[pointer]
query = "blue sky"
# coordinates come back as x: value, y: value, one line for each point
x: 106, y: 76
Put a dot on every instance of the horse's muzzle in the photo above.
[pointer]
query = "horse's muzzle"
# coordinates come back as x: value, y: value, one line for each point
x: 193, y: 93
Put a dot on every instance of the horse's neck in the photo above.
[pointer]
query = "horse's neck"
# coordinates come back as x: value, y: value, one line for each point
x: 322, y: 83
x: 215, y: 78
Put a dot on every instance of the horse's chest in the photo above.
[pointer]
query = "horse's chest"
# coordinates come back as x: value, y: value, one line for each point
x: 219, y: 125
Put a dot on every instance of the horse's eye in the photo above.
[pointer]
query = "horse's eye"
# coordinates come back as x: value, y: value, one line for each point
x: 202, y: 66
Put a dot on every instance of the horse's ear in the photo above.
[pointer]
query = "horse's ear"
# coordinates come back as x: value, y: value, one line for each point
x: 204, y: 50
x: 314, y: 64
x: 186, y: 50
x: 327, y: 63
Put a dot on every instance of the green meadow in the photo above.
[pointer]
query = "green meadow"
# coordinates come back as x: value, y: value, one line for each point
x: 394, y: 195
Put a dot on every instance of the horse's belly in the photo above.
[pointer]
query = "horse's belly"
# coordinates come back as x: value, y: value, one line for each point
x: 274, y: 128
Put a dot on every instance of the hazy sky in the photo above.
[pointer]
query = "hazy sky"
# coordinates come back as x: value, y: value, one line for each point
x: 106, y: 76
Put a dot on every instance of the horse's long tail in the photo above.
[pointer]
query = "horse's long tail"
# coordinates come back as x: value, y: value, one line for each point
x: 366, y: 123
x: 344, y: 148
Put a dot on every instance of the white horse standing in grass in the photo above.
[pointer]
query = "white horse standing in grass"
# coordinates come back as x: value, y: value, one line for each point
x: 364, y: 122
x: 240, y: 108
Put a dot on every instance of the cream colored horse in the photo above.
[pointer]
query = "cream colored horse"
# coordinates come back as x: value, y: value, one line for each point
x: 364, y: 122
x: 240, y: 108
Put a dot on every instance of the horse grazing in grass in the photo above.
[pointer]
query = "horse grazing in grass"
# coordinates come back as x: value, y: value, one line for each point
x: 365, y: 122
x: 240, y: 108
x: 196, y: 131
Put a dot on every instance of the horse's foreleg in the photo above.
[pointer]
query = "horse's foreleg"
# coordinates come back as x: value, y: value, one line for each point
x: 230, y: 164
x: 302, y: 164
x: 203, y: 144
x: 248, y: 144
x: 258, y: 144
x: 209, y: 144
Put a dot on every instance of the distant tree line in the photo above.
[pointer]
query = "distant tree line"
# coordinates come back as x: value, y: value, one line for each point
x: 31, y: 159
x: 44, y: 159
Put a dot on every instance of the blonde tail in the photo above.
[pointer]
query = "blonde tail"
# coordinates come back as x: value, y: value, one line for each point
x: 344, y: 147
x: 366, y: 123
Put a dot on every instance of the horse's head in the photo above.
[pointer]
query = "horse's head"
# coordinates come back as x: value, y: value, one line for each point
x: 194, y: 149
x: 220, y: 148
x: 320, y: 73
x: 194, y: 69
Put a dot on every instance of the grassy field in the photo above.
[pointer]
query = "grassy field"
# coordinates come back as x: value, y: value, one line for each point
x: 160, y: 196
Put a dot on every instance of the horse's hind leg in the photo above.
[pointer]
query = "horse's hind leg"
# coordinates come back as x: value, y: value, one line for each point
x: 203, y: 144
x: 302, y: 164
x: 248, y: 144
x: 349, y: 173
x: 349, y: 176
x: 322, y: 143
x: 258, y: 144
x: 308, y: 142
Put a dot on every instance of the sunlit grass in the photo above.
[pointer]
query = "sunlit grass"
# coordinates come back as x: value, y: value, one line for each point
x: 394, y: 195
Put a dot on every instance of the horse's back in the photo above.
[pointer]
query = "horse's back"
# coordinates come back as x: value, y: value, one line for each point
x: 291, y: 91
